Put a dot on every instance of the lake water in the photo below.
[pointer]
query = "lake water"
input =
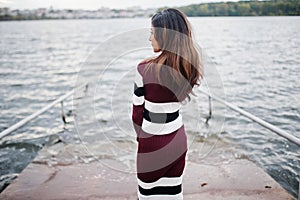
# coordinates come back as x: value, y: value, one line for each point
x: 257, y: 59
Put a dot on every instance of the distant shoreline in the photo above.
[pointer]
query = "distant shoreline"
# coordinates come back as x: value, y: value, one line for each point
x: 244, y: 8
x: 56, y: 19
x: 220, y: 9
x: 6, y: 14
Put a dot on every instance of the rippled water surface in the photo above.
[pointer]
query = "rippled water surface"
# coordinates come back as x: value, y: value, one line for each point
x: 257, y: 58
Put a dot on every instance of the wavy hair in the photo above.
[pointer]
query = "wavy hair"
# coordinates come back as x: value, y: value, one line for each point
x: 173, y: 33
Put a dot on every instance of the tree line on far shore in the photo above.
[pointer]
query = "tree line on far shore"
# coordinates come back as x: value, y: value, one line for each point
x: 244, y: 8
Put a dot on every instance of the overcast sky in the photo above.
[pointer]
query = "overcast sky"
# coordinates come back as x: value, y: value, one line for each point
x: 95, y: 4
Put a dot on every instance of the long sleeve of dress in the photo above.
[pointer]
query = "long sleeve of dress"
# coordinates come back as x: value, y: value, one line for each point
x: 138, y: 102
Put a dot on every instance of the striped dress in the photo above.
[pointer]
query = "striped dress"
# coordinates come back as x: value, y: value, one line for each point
x: 162, y: 143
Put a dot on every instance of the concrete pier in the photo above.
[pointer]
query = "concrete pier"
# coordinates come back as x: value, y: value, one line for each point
x: 239, y: 179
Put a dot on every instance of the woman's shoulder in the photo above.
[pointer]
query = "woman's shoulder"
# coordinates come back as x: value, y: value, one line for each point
x: 143, y: 65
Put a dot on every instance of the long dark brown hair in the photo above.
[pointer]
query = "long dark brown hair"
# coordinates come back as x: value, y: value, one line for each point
x: 173, y: 33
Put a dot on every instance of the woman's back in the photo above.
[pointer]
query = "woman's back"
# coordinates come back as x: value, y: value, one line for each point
x: 161, y: 106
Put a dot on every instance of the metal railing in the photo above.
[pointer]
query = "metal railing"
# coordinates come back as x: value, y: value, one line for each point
x: 263, y: 123
x: 39, y: 112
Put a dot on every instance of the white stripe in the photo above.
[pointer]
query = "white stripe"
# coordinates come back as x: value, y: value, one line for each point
x: 162, y: 107
x: 162, y: 129
x: 161, y: 197
x: 138, y: 79
x: 164, y: 181
x: 137, y: 101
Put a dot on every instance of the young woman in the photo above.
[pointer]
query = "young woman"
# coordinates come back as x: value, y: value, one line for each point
x: 162, y: 83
